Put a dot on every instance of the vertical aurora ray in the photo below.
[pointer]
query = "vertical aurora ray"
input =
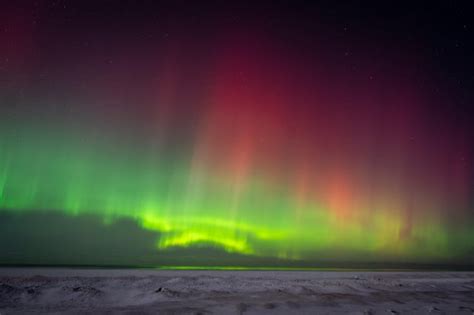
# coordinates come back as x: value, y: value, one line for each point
x: 258, y: 151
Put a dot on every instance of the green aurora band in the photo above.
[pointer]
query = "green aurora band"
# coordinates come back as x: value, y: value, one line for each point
x: 43, y: 172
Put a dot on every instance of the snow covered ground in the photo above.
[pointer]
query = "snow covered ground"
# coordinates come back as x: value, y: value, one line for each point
x: 142, y: 291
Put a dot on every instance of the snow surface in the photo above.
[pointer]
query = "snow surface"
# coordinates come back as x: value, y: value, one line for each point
x: 147, y: 291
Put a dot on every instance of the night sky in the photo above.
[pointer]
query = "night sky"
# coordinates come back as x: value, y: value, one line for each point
x: 196, y: 133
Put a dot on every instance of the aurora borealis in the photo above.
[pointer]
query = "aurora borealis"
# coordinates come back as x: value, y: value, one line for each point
x: 287, y: 135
